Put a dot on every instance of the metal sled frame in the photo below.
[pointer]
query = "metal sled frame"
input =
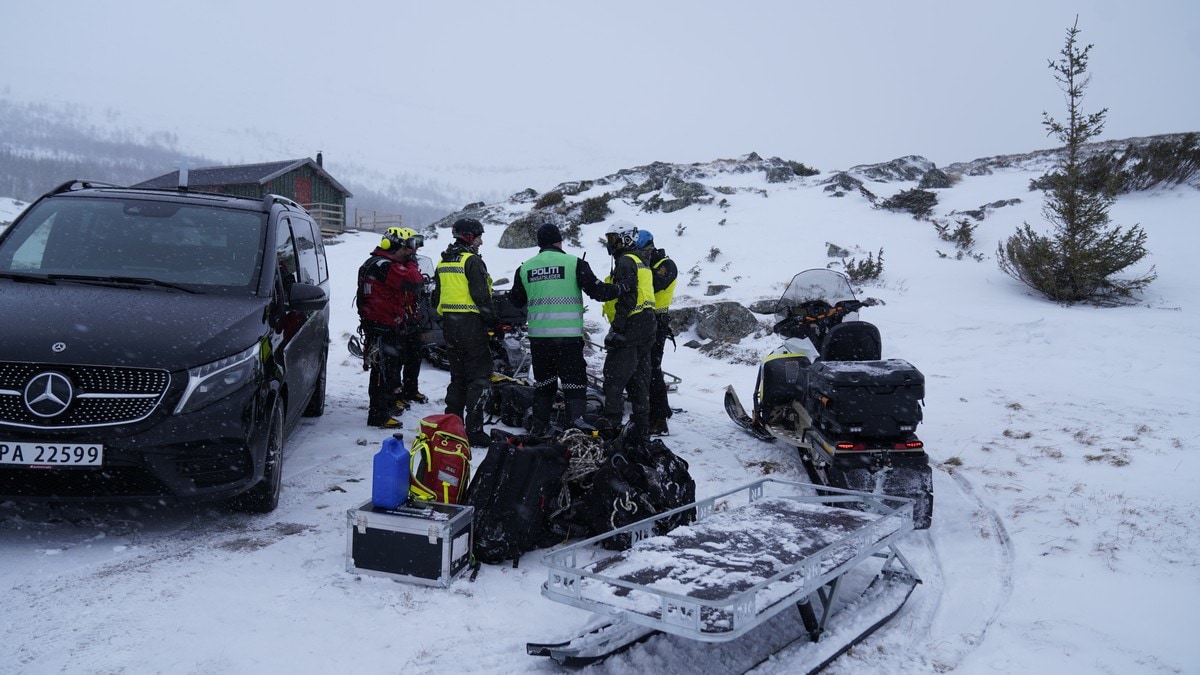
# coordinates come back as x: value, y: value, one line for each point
x: 577, y: 576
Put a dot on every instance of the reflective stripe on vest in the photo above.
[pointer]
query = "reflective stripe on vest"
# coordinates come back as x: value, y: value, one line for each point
x: 555, y: 301
x: 645, y: 291
x: 662, y: 299
x: 455, y: 292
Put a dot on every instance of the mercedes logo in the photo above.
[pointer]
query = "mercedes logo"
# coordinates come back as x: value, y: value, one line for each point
x: 58, y: 347
x: 48, y: 394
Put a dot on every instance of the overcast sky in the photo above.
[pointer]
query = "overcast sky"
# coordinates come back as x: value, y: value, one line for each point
x: 583, y: 89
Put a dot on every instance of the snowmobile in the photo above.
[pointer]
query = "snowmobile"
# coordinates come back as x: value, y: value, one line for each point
x: 509, y: 346
x: 827, y: 391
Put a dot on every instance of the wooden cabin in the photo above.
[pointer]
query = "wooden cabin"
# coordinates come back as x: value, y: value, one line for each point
x: 304, y: 181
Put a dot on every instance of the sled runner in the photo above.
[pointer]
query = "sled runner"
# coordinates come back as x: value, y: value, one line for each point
x: 751, y: 554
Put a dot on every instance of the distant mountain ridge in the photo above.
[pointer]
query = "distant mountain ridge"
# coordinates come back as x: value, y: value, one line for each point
x: 663, y: 187
x: 45, y: 146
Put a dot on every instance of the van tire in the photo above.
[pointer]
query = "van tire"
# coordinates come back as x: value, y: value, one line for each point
x: 264, y: 496
x: 316, y: 404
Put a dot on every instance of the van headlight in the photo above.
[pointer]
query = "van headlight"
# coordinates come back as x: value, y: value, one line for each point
x: 213, y: 381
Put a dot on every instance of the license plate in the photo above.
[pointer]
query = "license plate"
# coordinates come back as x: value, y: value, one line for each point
x: 35, y: 453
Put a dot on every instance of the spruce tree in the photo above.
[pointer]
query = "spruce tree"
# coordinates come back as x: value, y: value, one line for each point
x: 1077, y: 261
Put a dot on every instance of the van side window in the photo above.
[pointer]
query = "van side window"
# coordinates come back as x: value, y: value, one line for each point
x: 306, y: 246
x: 322, y: 263
x: 285, y: 254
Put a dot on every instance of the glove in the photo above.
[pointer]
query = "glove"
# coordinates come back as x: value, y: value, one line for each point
x: 614, y: 340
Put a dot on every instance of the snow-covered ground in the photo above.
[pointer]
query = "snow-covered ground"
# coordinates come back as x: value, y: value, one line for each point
x: 1064, y: 441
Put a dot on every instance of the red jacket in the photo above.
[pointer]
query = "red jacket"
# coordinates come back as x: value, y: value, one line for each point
x: 387, y: 291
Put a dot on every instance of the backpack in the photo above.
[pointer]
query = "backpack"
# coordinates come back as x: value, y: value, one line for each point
x: 376, y: 302
x: 515, y: 488
x: 510, y: 402
x: 621, y: 483
x: 441, y: 460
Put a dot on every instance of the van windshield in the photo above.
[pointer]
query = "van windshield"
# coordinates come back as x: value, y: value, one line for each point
x: 200, y: 247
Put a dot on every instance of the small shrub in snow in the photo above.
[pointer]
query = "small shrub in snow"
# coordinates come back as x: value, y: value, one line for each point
x: 863, y: 270
x: 549, y: 199
x: 962, y: 236
x: 918, y: 202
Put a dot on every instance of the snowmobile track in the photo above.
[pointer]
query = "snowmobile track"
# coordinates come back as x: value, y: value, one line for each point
x: 919, y: 636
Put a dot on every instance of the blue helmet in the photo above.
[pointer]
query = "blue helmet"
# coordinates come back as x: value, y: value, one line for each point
x: 644, y: 239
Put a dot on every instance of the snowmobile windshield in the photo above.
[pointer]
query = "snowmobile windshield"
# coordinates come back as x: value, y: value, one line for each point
x: 425, y: 264
x: 815, y: 284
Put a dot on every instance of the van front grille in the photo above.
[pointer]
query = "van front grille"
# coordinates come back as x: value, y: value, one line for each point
x: 93, y: 396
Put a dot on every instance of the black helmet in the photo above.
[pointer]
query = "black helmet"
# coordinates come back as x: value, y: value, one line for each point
x: 467, y: 226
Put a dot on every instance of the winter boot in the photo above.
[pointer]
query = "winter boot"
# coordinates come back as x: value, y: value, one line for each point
x: 658, y: 427
x: 539, y: 429
x: 606, y: 429
x: 574, y: 409
x: 479, y: 438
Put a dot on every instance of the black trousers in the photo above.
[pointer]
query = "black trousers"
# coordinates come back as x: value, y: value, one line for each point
x: 470, y: 359
x: 660, y: 408
x: 394, y: 371
x: 627, y: 368
x: 555, y: 360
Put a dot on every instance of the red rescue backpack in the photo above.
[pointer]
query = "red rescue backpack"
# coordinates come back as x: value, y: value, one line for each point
x: 376, y: 301
x: 441, y: 460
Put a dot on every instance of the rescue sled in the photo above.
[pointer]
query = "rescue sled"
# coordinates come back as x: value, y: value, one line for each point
x: 753, y: 553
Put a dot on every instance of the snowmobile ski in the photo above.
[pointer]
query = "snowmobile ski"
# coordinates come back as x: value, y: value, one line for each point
x: 594, y: 644
x: 737, y: 413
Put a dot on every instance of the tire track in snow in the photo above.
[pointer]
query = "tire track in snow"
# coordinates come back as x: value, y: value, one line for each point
x: 974, y: 541
x: 966, y: 564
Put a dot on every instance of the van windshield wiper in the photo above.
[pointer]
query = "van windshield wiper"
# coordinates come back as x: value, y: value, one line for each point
x: 32, y: 278
x: 131, y: 281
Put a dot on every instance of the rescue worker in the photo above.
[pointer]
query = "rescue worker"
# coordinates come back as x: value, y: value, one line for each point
x: 552, y: 284
x: 664, y: 273
x: 388, y: 285
x: 630, y: 338
x: 462, y: 295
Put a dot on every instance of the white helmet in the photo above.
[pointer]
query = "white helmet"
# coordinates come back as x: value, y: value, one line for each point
x: 621, y: 235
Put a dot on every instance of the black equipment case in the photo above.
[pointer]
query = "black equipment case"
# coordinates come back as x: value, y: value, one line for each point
x: 874, y: 399
x: 784, y: 377
x: 425, y: 543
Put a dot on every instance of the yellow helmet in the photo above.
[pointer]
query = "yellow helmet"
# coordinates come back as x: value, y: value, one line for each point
x: 401, y: 237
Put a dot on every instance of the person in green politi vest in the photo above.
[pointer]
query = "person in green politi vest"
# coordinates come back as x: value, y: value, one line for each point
x: 551, y: 285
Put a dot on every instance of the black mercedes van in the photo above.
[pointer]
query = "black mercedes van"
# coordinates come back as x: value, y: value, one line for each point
x: 157, y: 344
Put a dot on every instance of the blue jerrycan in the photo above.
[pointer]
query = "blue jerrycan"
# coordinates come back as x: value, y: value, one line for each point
x: 389, y: 486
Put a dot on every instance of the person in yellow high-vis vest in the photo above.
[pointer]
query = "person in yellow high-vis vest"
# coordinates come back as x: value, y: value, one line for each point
x: 631, y: 336
x: 665, y: 274
x: 463, y: 297
x: 551, y: 284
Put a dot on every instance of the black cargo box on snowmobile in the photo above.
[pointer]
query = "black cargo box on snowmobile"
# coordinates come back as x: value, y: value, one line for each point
x: 784, y: 377
x: 865, y: 399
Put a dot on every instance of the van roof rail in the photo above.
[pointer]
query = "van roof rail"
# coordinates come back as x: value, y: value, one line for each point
x: 272, y: 199
x: 80, y: 184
